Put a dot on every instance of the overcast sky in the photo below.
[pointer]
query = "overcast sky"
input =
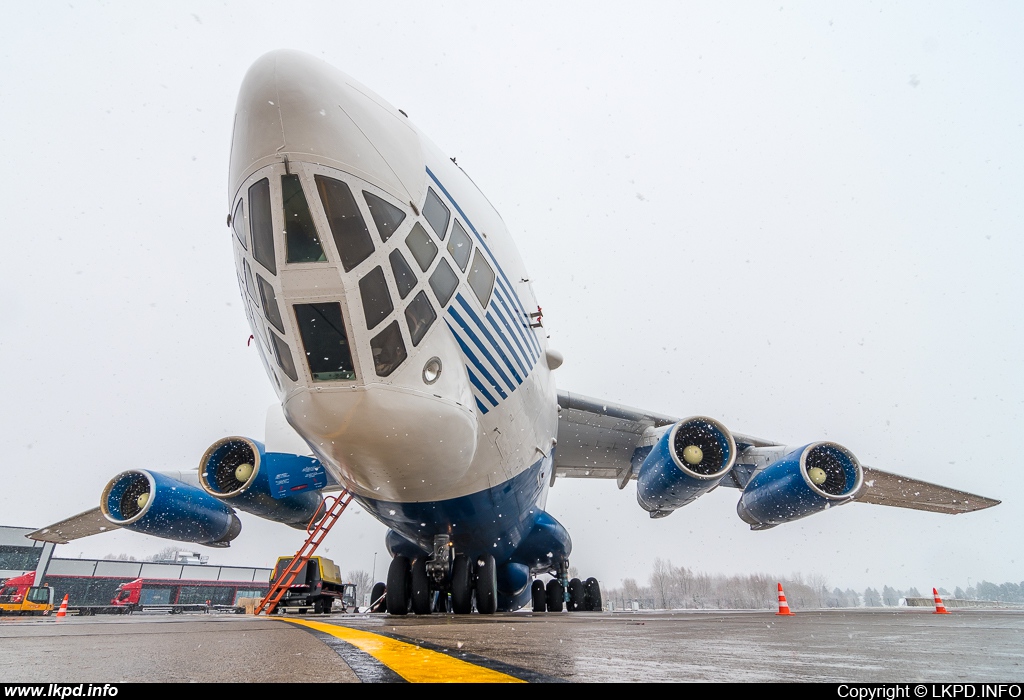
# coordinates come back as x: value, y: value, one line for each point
x: 803, y: 220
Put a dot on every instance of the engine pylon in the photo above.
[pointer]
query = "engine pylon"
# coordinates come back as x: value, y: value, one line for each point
x: 940, y: 609
x: 783, y: 605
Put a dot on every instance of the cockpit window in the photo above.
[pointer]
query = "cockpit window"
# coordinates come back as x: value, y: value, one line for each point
x: 347, y: 226
x: 270, y: 307
x: 460, y: 246
x: 284, y: 357
x: 373, y: 290
x: 405, y: 278
x: 238, y: 224
x: 443, y: 282
x: 388, y: 350
x: 421, y: 247
x: 248, y: 280
x: 436, y: 213
x: 301, y: 241
x: 481, y: 278
x: 419, y: 315
x: 323, y: 335
x: 260, y: 218
x: 387, y: 216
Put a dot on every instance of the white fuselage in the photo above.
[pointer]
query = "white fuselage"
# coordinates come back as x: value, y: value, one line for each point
x: 491, y: 413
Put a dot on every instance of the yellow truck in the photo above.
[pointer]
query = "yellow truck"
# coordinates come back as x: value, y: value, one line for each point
x: 318, y: 588
x: 19, y: 597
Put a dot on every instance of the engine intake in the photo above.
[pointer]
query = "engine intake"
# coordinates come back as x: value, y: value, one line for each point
x: 805, y: 481
x: 156, y: 504
x: 687, y: 461
x: 277, y: 486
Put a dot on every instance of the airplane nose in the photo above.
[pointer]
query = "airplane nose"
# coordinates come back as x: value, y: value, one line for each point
x: 296, y: 106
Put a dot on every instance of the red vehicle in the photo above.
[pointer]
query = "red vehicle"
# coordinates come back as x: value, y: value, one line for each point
x: 19, y: 597
x: 168, y: 595
x: 182, y: 595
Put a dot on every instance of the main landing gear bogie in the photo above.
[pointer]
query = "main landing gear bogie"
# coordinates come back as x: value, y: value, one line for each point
x: 575, y: 595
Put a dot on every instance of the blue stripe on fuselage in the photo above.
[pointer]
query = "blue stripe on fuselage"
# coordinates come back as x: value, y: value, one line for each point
x: 484, y: 350
x: 490, y: 338
x: 468, y: 353
x: 520, y: 328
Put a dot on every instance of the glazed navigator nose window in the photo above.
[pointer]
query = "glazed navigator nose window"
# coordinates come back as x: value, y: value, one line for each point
x: 322, y: 328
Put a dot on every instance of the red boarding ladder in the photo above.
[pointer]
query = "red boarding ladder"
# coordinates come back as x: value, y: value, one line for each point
x: 317, y: 533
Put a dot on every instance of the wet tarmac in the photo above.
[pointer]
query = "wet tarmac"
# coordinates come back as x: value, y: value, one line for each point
x: 879, y: 645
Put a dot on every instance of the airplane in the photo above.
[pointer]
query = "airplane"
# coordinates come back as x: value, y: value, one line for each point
x: 397, y: 324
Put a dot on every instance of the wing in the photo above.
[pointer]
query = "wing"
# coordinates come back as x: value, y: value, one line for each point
x: 90, y: 522
x: 885, y: 489
x: 603, y: 440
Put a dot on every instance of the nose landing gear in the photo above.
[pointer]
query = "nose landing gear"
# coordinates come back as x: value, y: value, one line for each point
x: 432, y: 584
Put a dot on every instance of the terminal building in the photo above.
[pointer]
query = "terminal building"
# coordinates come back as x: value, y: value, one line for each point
x: 185, y: 579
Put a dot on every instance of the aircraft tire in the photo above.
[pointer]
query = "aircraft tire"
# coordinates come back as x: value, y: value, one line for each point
x: 420, y: 593
x: 397, y: 595
x: 576, y: 597
x: 539, y: 595
x: 592, y: 595
x: 462, y: 586
x: 486, y: 585
x: 377, y: 592
x: 555, y: 595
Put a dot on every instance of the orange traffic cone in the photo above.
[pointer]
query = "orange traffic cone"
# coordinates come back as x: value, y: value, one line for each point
x: 940, y: 609
x: 783, y: 605
x: 63, y: 611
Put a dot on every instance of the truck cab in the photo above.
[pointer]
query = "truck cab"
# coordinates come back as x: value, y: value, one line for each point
x: 128, y: 594
x: 19, y: 597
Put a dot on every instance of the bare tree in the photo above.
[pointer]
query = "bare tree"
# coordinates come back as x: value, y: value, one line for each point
x: 630, y: 591
x: 168, y: 553
x: 890, y: 596
x: 363, y: 583
x: 661, y: 582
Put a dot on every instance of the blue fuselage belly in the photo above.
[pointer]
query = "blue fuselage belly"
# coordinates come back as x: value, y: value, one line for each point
x: 495, y: 520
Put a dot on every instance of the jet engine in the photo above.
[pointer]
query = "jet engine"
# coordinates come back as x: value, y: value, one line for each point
x: 687, y: 461
x: 277, y: 486
x: 156, y: 504
x: 805, y: 481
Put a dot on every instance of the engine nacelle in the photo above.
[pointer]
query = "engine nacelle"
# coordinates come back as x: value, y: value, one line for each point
x: 688, y: 461
x: 156, y: 504
x: 805, y: 481
x: 277, y: 486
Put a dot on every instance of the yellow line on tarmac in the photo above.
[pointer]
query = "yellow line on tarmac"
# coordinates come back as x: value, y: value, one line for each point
x: 413, y: 663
